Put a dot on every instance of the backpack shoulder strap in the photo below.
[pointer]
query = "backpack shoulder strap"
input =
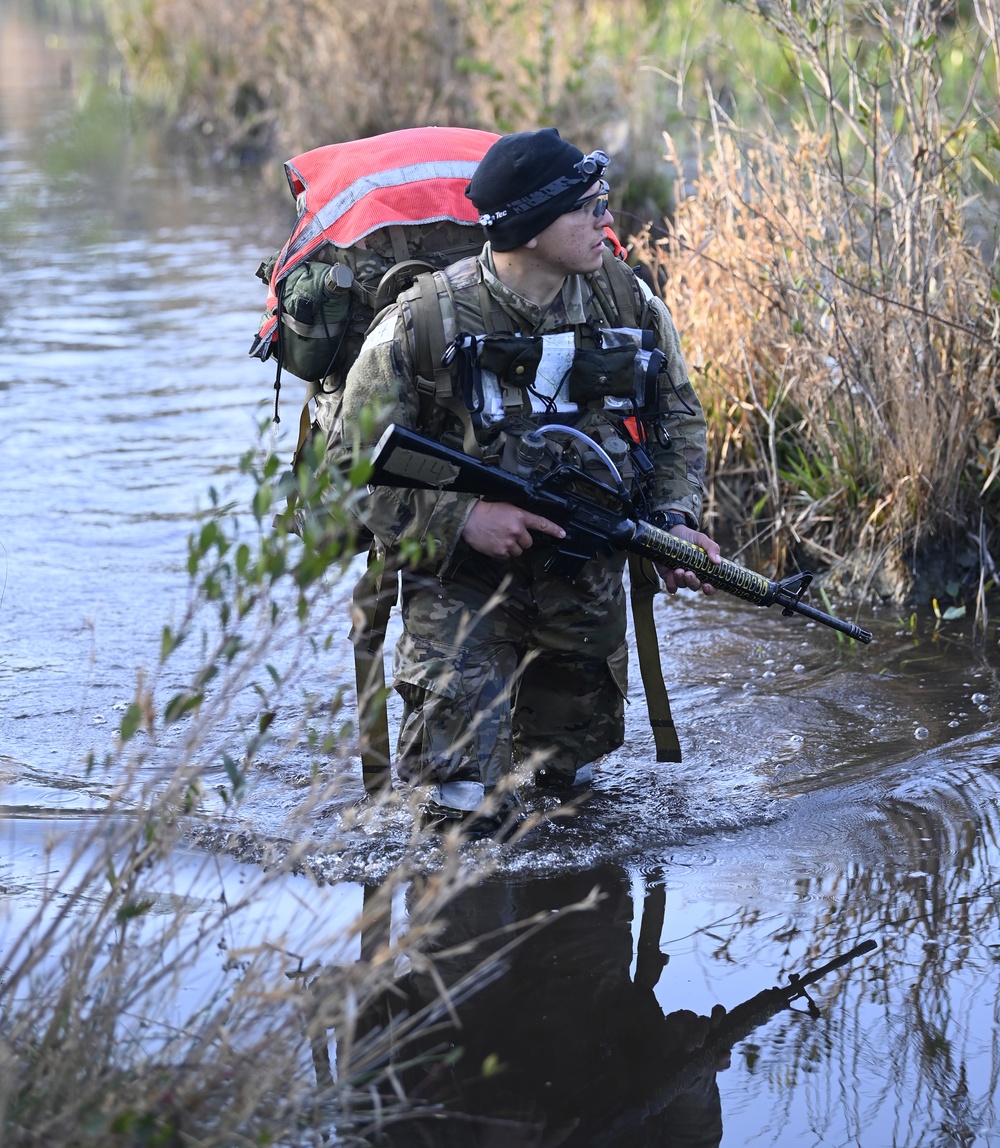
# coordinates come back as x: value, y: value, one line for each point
x: 430, y: 310
x: 618, y: 290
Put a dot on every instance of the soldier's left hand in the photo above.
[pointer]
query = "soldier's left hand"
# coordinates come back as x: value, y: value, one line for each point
x: 674, y: 580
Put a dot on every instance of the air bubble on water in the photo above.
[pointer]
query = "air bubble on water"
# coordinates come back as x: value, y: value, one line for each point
x: 921, y: 733
x: 796, y: 739
x: 768, y: 674
x: 953, y: 724
x: 978, y: 699
x: 984, y: 709
x: 799, y: 668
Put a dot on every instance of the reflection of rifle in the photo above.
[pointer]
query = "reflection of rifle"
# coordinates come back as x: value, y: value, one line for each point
x: 682, y: 1074
x: 404, y: 458
x: 751, y: 1014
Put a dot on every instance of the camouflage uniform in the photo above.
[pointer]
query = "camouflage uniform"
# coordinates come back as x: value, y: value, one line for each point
x: 485, y: 686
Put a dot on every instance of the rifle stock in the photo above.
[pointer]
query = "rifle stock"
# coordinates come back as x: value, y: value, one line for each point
x: 407, y: 459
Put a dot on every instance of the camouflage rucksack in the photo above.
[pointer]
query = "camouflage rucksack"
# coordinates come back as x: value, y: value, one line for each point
x: 372, y: 215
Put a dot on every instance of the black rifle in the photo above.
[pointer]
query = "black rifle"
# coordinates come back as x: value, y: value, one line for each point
x: 404, y: 458
x: 682, y: 1072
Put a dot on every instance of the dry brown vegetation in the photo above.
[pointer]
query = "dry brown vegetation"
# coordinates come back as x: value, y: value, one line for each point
x: 839, y: 313
x: 251, y: 78
x: 849, y: 372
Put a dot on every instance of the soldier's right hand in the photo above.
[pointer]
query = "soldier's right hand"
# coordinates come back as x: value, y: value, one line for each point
x: 500, y: 530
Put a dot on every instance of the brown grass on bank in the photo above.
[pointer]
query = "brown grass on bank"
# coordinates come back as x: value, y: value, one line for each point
x: 253, y: 79
x: 844, y: 332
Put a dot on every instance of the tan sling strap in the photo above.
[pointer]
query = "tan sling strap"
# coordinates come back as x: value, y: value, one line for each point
x: 305, y: 422
x: 644, y: 583
x: 374, y: 597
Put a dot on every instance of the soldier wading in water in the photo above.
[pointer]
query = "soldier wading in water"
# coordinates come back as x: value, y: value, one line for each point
x: 502, y: 663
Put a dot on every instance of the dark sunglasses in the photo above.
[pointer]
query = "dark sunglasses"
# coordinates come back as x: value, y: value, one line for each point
x: 598, y: 198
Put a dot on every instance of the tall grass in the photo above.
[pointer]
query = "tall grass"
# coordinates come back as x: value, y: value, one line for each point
x: 254, y: 79
x: 838, y: 309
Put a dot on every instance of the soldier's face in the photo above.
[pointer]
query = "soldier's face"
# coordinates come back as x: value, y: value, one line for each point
x: 574, y: 243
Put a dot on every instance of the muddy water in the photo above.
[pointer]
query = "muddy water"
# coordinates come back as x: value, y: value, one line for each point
x: 829, y: 793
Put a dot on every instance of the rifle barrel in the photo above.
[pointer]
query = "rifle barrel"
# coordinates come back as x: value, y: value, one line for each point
x: 404, y: 458
x: 662, y: 546
x: 681, y: 1073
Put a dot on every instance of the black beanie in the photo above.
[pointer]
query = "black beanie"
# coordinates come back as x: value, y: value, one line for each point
x: 525, y: 182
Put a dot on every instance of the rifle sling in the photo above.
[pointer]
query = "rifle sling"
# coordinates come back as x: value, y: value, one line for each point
x: 643, y: 584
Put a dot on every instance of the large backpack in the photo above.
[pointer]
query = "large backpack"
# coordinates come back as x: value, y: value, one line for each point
x: 372, y: 215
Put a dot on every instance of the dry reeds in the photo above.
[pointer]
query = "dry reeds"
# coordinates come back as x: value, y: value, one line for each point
x: 252, y: 79
x: 842, y: 324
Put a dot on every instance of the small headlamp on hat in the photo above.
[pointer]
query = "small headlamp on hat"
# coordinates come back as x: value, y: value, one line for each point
x: 526, y: 181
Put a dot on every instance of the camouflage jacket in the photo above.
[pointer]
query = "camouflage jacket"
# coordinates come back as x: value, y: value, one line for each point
x: 384, y: 378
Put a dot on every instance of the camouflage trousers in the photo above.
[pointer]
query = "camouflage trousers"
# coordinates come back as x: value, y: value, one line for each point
x: 503, y: 662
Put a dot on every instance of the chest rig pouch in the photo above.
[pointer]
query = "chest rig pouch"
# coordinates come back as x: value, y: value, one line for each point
x: 505, y: 376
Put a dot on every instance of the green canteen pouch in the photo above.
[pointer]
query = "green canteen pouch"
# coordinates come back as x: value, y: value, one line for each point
x: 315, y: 308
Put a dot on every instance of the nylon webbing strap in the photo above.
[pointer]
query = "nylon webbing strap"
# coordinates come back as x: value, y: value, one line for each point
x: 643, y: 584
x: 621, y: 309
x: 427, y: 309
x: 372, y: 602
x: 400, y: 248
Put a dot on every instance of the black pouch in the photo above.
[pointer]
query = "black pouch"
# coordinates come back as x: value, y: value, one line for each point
x: 600, y: 372
x: 513, y: 359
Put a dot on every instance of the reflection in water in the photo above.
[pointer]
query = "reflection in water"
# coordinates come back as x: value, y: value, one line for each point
x: 531, y: 1023
x: 580, y: 1052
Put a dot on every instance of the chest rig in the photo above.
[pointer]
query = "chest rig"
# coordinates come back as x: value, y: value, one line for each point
x: 479, y: 389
